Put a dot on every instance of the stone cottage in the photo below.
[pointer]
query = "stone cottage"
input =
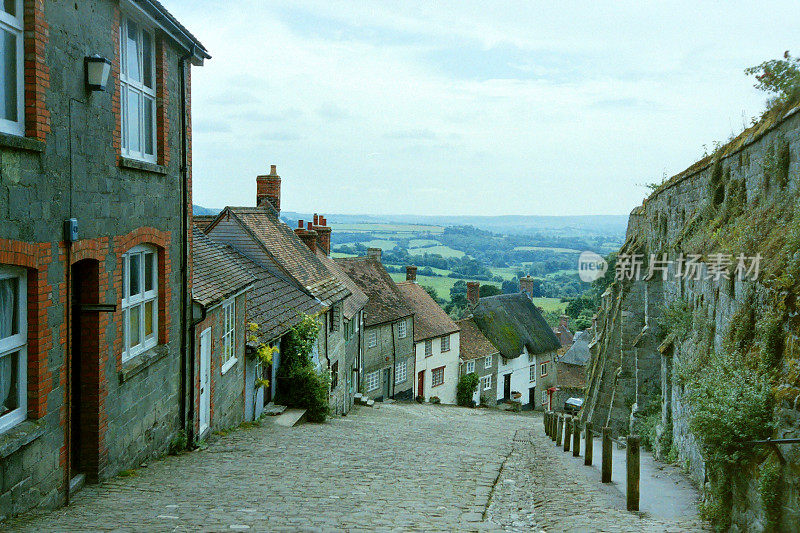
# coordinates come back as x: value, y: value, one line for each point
x: 220, y: 282
x: 388, y: 367
x: 95, y: 242
x: 527, y: 346
x: 479, y: 356
x: 436, y: 343
x: 571, y: 370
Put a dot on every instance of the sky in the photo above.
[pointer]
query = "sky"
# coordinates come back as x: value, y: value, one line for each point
x: 469, y: 108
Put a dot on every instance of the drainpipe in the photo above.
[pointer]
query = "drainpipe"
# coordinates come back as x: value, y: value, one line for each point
x: 187, y: 359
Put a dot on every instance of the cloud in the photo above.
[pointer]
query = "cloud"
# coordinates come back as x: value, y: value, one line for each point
x: 418, y: 134
x: 203, y: 125
x: 331, y: 111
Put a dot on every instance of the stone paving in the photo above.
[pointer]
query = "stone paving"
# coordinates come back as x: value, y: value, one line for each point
x: 400, y: 467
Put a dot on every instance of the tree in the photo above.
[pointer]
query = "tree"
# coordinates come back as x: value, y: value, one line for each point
x: 489, y: 290
x: 466, y: 388
x: 780, y: 77
x: 433, y: 294
x: 510, y: 287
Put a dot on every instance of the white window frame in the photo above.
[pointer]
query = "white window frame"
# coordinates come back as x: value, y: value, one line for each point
x: 428, y: 348
x: 402, y: 329
x: 139, y: 300
x: 445, y: 344
x: 543, y: 369
x: 469, y: 366
x: 17, y: 344
x: 141, y: 90
x: 545, y: 398
x: 434, y: 372
x: 532, y: 372
x: 486, y: 382
x: 372, y: 381
x: 372, y: 339
x: 400, y: 372
x: 15, y: 25
x: 487, y: 362
x: 228, y: 334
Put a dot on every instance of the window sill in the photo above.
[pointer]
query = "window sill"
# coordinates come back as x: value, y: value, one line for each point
x: 136, y: 164
x: 20, y: 143
x: 18, y: 436
x: 139, y: 362
x: 228, y: 365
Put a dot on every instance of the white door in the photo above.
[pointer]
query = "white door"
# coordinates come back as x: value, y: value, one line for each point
x: 205, y: 379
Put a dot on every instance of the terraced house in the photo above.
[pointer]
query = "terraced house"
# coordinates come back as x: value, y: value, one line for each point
x: 296, y: 256
x: 388, y: 360
x: 95, y: 242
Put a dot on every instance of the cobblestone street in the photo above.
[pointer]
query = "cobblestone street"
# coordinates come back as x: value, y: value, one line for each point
x: 398, y: 467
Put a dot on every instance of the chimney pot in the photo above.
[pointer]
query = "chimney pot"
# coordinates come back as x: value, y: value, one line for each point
x: 273, y: 170
x: 473, y: 292
x: 300, y: 224
x: 411, y: 273
x: 310, y: 226
x: 324, y: 221
x: 268, y: 189
x: 316, y: 219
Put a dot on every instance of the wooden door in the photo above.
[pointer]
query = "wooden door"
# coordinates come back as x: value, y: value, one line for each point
x: 421, y: 383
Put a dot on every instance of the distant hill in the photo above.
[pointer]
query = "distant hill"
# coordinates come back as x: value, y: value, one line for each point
x: 200, y: 210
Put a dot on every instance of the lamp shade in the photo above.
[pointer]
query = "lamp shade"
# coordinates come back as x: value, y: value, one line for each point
x: 97, y: 70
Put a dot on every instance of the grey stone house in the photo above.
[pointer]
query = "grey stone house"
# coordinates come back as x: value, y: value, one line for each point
x: 220, y: 283
x: 94, y: 324
x: 479, y: 356
x: 388, y: 367
x: 260, y: 235
x: 571, y: 370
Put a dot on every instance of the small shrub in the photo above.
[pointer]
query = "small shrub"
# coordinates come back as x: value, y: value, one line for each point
x: 435, y: 400
x: 309, y: 391
x: 716, y: 184
x: 645, y: 425
x: 466, y: 388
x: 178, y: 444
x: 771, y: 341
x: 784, y: 159
x: 420, y: 399
x: 677, y: 318
x: 770, y: 489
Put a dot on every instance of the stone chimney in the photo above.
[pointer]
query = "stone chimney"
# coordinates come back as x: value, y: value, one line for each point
x: 374, y: 252
x: 268, y: 189
x: 526, y: 286
x: 473, y: 292
x: 323, y: 233
x: 308, y: 236
x: 411, y: 273
x: 564, y: 319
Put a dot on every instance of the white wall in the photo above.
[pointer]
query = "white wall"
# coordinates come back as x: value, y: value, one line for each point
x: 449, y: 360
x: 519, y: 368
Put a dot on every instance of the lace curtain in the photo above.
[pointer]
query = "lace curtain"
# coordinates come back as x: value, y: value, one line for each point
x: 8, y: 308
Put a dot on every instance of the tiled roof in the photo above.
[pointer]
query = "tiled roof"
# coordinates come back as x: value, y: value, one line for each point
x: 385, y: 303
x: 473, y: 342
x: 430, y: 320
x: 511, y: 321
x: 203, y: 221
x: 218, y: 271
x: 290, y: 253
x: 578, y: 353
x: 357, y: 299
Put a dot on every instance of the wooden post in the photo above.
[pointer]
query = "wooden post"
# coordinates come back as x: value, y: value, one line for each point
x: 606, y: 466
x: 567, y: 433
x: 587, y: 457
x: 632, y: 466
x: 553, y: 426
x: 576, y: 437
x: 559, y: 425
x: 547, y: 423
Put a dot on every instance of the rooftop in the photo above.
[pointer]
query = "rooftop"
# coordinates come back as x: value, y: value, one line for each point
x: 218, y: 271
x: 430, y: 320
x: 386, y: 302
x: 511, y: 322
x: 473, y: 342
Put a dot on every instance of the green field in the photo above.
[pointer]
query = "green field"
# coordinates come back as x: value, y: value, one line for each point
x: 442, y: 285
x: 383, y: 244
x: 545, y: 248
x: 419, y: 243
x: 341, y: 254
x: 395, y: 229
x: 438, y: 271
x: 444, y: 251
x: 550, y: 304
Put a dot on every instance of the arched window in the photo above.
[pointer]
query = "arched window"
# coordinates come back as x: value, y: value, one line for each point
x: 13, y: 347
x: 139, y: 300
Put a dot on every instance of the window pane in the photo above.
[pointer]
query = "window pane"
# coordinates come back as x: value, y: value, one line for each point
x: 133, y: 120
x: 133, y: 52
x: 133, y: 327
x: 148, y: 318
x: 133, y: 273
x: 9, y: 307
x: 124, y: 117
x: 8, y: 74
x: 10, y: 7
x: 149, y: 113
x: 148, y: 271
x: 9, y: 383
x: 147, y: 59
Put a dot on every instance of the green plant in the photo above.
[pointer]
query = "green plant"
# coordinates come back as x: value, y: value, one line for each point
x: 781, y: 77
x: 716, y: 184
x: 466, y: 388
x: 310, y: 392
x: 645, y: 425
x: 771, y: 341
x: 782, y: 163
x: 672, y: 455
x: 435, y: 400
x: 420, y: 399
x: 771, y: 494
x: 676, y: 318
x: 178, y: 444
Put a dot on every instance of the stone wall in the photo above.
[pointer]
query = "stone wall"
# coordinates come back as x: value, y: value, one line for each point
x: 391, y: 348
x: 634, y: 363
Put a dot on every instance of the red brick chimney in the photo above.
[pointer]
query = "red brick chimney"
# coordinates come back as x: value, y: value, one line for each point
x: 323, y: 233
x: 268, y: 189
x: 473, y: 292
x: 308, y: 236
x: 374, y: 252
x: 563, y: 321
x: 411, y: 273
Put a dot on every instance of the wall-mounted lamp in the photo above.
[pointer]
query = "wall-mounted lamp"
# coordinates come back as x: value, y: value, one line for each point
x: 97, y: 70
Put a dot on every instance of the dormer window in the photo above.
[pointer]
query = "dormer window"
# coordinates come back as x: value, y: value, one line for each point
x: 137, y: 85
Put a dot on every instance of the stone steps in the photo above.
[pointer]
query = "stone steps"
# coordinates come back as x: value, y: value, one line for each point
x: 290, y: 417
